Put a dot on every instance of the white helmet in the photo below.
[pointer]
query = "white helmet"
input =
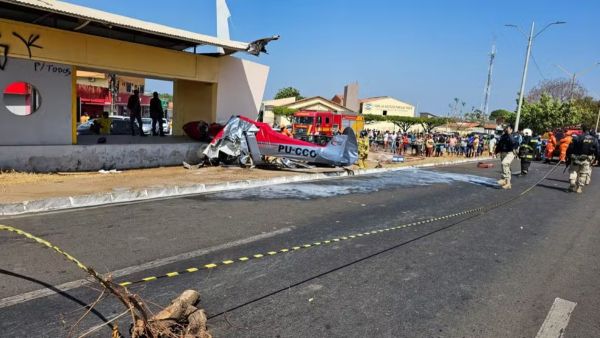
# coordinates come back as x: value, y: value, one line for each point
x: 527, y: 132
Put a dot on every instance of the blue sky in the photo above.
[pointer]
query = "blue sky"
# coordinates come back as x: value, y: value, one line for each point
x: 423, y: 52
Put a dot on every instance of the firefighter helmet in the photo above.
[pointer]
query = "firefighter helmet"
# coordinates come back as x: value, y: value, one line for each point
x: 527, y: 132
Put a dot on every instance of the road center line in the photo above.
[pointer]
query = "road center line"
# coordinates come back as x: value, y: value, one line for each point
x: 557, y: 320
x: 25, y: 297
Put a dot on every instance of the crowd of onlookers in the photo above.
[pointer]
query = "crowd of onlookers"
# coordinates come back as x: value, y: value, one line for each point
x: 432, y: 145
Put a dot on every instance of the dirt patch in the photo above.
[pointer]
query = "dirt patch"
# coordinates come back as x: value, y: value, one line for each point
x: 18, y: 187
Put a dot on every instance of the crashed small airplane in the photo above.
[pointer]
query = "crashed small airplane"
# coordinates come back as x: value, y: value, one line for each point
x: 252, y: 143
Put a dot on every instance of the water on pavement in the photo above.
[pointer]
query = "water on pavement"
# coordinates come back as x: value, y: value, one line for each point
x: 358, y: 184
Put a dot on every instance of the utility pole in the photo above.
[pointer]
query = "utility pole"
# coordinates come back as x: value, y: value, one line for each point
x: 488, y: 86
x: 574, y: 75
x: 597, y: 120
x: 530, y: 39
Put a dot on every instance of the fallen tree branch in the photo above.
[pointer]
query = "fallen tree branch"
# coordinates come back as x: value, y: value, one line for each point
x: 180, y: 319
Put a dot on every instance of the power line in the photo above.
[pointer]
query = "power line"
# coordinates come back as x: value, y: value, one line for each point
x: 537, y: 66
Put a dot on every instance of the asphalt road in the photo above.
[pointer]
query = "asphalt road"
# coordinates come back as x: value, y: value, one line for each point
x: 492, y: 274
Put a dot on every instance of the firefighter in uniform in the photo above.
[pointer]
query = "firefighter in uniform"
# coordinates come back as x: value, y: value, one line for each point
x: 564, y: 144
x: 550, y: 146
x: 527, y: 150
x: 363, y: 149
x: 580, y: 156
x: 507, y: 148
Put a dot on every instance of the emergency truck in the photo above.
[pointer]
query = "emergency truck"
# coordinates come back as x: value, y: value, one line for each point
x: 320, y: 126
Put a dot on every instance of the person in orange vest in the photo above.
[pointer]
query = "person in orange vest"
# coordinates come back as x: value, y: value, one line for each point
x: 564, y: 145
x: 550, y: 146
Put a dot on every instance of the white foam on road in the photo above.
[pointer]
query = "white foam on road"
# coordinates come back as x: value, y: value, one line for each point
x: 356, y: 185
x: 557, y: 320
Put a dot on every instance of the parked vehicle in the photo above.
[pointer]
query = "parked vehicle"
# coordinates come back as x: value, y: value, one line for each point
x: 320, y: 126
x: 166, y: 127
x: 146, y: 125
x: 119, y: 126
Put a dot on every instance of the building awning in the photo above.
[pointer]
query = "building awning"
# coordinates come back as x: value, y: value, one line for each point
x: 66, y: 16
x: 18, y: 88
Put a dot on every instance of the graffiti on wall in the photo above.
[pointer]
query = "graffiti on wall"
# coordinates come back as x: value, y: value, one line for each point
x: 3, y: 55
x: 29, y: 43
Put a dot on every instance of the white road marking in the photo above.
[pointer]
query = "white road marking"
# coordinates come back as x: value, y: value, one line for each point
x: 557, y: 320
x: 25, y: 297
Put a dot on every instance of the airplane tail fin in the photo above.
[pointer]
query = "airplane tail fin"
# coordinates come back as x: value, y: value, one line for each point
x: 341, y: 150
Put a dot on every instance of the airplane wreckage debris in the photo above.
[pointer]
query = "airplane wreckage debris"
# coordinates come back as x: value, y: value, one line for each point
x: 249, y: 143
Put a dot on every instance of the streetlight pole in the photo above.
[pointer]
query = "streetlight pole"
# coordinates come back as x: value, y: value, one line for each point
x: 530, y: 39
x: 524, y: 78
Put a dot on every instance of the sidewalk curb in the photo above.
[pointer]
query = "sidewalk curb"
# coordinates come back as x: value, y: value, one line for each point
x: 123, y: 196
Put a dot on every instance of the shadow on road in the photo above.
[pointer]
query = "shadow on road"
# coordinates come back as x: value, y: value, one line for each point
x: 552, y: 187
x: 60, y: 292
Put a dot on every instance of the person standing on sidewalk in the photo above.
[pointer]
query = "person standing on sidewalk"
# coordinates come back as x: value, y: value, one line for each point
x: 429, y: 145
x: 507, y: 147
x: 135, y: 112
x: 157, y: 114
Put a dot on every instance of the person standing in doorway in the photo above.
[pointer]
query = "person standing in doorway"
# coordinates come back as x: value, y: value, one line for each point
x: 135, y: 112
x: 507, y: 147
x: 157, y: 114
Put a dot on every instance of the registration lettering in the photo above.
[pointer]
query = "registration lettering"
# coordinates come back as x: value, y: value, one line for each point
x: 283, y: 149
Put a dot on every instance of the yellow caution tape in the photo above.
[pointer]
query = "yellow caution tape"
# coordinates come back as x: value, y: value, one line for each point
x: 257, y: 256
x: 45, y: 243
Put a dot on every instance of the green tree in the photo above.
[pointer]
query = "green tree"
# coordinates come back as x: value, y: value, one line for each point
x: 549, y: 113
x: 402, y: 122
x: 284, y: 111
x: 502, y: 115
x: 429, y: 124
x: 475, y: 115
x: 165, y: 97
x: 406, y: 122
x: 288, y: 92
x: 374, y: 118
x: 589, y: 109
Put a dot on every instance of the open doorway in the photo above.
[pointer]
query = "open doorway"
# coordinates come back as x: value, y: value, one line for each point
x: 100, y: 93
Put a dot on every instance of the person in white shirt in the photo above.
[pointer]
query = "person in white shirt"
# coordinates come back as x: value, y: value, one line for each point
x: 492, y: 147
